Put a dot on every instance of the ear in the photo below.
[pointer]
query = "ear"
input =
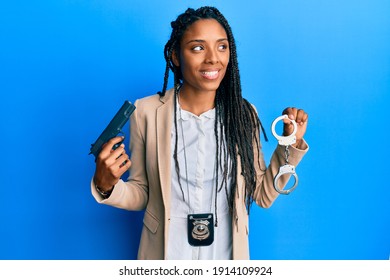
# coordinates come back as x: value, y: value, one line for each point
x: 175, y: 59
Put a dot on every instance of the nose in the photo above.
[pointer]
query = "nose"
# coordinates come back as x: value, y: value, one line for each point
x: 211, y: 56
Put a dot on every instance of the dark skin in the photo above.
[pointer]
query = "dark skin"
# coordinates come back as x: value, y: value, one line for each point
x: 301, y: 118
x: 204, y: 50
x: 111, y: 165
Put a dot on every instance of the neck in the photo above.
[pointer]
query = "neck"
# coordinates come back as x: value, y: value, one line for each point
x: 196, y: 102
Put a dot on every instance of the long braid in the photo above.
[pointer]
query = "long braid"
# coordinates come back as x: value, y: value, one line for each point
x: 235, y: 117
x: 217, y: 157
x: 177, y: 167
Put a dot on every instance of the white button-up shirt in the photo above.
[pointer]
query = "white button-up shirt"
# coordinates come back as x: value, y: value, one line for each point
x: 198, y: 138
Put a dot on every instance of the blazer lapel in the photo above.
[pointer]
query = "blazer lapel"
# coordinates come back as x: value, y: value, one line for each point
x: 164, y: 126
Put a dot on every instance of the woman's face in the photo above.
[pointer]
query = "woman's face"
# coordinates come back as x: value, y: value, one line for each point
x: 204, y: 55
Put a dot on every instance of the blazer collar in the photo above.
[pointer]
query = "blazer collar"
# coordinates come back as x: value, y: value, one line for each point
x: 168, y: 96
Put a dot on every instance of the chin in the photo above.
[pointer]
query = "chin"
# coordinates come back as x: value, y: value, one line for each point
x: 212, y: 86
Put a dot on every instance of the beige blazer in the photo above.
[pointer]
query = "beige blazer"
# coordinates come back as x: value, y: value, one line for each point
x: 149, y: 184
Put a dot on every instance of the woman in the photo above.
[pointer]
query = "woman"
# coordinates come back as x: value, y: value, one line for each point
x: 196, y: 163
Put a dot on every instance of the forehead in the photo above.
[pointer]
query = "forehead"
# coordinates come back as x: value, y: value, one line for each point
x: 204, y: 29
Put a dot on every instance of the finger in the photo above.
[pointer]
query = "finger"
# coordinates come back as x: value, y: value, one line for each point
x: 107, y: 147
x: 115, y: 142
x: 108, y: 156
x: 116, y: 155
x: 118, y: 151
x: 121, y: 160
x: 303, y: 118
x: 120, y: 166
x: 288, y: 128
x: 125, y: 164
x: 300, y: 116
x: 291, y: 112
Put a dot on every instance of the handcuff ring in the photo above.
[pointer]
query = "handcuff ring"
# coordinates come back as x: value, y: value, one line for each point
x: 285, y: 169
x: 285, y: 140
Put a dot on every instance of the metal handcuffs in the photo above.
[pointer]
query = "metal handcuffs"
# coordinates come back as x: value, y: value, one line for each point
x: 286, y: 168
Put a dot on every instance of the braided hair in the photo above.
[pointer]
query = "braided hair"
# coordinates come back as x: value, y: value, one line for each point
x: 235, y: 117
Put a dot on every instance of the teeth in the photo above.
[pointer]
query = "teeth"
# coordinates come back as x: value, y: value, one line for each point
x: 212, y: 73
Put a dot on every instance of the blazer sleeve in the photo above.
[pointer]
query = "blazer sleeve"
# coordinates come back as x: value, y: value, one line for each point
x: 132, y: 194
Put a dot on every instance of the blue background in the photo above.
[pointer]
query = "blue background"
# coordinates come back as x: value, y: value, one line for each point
x: 67, y: 66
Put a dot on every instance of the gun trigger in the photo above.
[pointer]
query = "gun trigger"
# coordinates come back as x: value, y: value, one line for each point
x: 117, y: 145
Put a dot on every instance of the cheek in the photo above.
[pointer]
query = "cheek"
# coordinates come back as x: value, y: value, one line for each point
x: 189, y: 65
x: 226, y: 59
x: 183, y: 68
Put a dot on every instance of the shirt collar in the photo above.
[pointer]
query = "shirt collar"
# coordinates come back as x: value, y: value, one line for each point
x: 186, y: 115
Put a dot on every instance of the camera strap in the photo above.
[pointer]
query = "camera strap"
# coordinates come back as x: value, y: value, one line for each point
x: 200, y: 226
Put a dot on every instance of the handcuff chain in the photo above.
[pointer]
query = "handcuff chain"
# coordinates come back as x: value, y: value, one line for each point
x: 287, y: 153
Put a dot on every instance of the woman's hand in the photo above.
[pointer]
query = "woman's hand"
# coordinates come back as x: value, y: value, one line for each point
x: 301, y: 118
x: 111, y: 164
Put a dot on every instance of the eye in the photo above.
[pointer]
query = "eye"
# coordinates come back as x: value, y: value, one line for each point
x: 223, y: 47
x: 197, y: 48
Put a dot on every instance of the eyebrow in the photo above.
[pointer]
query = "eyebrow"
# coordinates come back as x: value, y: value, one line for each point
x: 202, y: 41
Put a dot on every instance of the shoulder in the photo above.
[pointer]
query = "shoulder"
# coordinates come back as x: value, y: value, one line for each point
x: 148, y: 101
x: 250, y: 106
x: 153, y: 101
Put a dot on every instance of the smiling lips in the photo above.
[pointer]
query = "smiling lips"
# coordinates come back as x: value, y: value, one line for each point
x: 210, y: 75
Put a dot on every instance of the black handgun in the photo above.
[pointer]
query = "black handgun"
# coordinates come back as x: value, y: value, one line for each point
x: 113, y: 128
